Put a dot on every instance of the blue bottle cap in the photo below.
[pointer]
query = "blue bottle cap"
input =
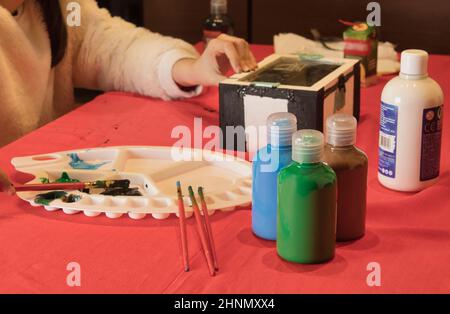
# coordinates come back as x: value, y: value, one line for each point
x: 280, y: 127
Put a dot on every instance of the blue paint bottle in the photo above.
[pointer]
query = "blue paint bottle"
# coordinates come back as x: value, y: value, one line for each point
x: 268, y: 161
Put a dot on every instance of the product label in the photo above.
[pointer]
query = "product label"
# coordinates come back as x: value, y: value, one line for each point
x: 431, y: 143
x: 388, y: 140
x: 356, y: 47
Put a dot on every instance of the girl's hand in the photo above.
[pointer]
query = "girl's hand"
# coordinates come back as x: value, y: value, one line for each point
x: 220, y: 54
x: 5, y: 184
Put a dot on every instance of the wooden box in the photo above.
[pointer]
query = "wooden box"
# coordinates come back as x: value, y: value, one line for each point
x: 310, y: 87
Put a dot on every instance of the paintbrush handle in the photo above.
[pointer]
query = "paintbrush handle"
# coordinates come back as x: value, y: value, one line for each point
x: 204, y: 241
x: 102, y: 184
x: 208, y: 227
x: 202, y: 233
x: 210, y: 234
x: 182, y: 218
x: 49, y: 187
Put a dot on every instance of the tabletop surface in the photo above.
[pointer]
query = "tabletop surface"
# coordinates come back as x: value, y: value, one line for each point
x: 408, y: 234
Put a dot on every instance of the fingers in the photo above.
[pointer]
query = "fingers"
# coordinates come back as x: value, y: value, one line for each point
x: 247, y: 62
x: 233, y: 56
x: 246, y: 57
x: 11, y: 190
x: 5, y: 184
x: 237, y: 51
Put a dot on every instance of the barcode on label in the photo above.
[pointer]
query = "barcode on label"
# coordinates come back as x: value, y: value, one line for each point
x: 387, y: 142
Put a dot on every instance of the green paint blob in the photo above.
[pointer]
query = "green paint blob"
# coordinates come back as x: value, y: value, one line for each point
x: 44, y: 180
x: 65, y: 178
x: 306, y: 228
x: 110, y: 187
x: 72, y: 198
x: 46, y: 198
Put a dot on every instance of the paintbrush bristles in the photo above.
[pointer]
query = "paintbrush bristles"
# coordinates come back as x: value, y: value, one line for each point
x: 200, y: 193
x: 192, y: 196
x: 179, y: 192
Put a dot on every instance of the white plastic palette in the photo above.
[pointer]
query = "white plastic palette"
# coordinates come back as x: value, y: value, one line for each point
x: 226, y: 179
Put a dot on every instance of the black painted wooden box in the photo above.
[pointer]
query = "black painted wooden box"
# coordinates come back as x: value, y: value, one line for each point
x: 311, y: 88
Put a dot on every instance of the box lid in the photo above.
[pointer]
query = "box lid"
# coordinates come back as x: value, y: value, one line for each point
x: 294, y: 72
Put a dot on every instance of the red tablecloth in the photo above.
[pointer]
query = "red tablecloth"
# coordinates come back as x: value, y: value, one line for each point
x: 407, y: 234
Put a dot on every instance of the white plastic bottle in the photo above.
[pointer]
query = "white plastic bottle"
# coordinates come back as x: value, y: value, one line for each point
x: 410, y: 127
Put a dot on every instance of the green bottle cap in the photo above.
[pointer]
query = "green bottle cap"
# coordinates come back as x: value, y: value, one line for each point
x: 307, y: 146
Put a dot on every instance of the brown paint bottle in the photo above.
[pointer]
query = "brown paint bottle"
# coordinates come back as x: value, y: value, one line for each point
x: 350, y: 165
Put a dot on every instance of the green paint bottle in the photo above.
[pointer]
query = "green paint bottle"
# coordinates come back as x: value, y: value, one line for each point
x: 306, y: 215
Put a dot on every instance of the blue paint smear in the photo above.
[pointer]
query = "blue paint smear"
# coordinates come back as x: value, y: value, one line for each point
x: 78, y: 163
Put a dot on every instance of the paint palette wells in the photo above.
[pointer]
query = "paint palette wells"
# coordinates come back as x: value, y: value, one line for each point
x: 153, y: 173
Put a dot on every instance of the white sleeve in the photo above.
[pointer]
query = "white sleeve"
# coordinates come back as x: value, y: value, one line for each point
x: 165, y: 66
x: 112, y: 54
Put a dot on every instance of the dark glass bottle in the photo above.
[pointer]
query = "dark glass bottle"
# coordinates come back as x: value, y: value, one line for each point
x: 218, y: 22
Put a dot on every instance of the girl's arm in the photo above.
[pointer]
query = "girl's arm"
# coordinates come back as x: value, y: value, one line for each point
x: 111, y: 54
x: 5, y: 184
x: 220, y: 54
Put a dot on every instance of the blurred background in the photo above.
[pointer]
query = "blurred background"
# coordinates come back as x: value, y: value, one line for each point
x: 406, y: 23
x: 421, y: 24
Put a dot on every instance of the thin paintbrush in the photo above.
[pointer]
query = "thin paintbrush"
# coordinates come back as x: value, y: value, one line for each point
x: 101, y: 184
x: 182, y: 219
x: 202, y: 233
x: 208, y: 227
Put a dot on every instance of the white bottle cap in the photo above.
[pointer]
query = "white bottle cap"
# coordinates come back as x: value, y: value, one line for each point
x: 280, y: 127
x: 341, y: 130
x: 414, y: 62
x: 307, y: 146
